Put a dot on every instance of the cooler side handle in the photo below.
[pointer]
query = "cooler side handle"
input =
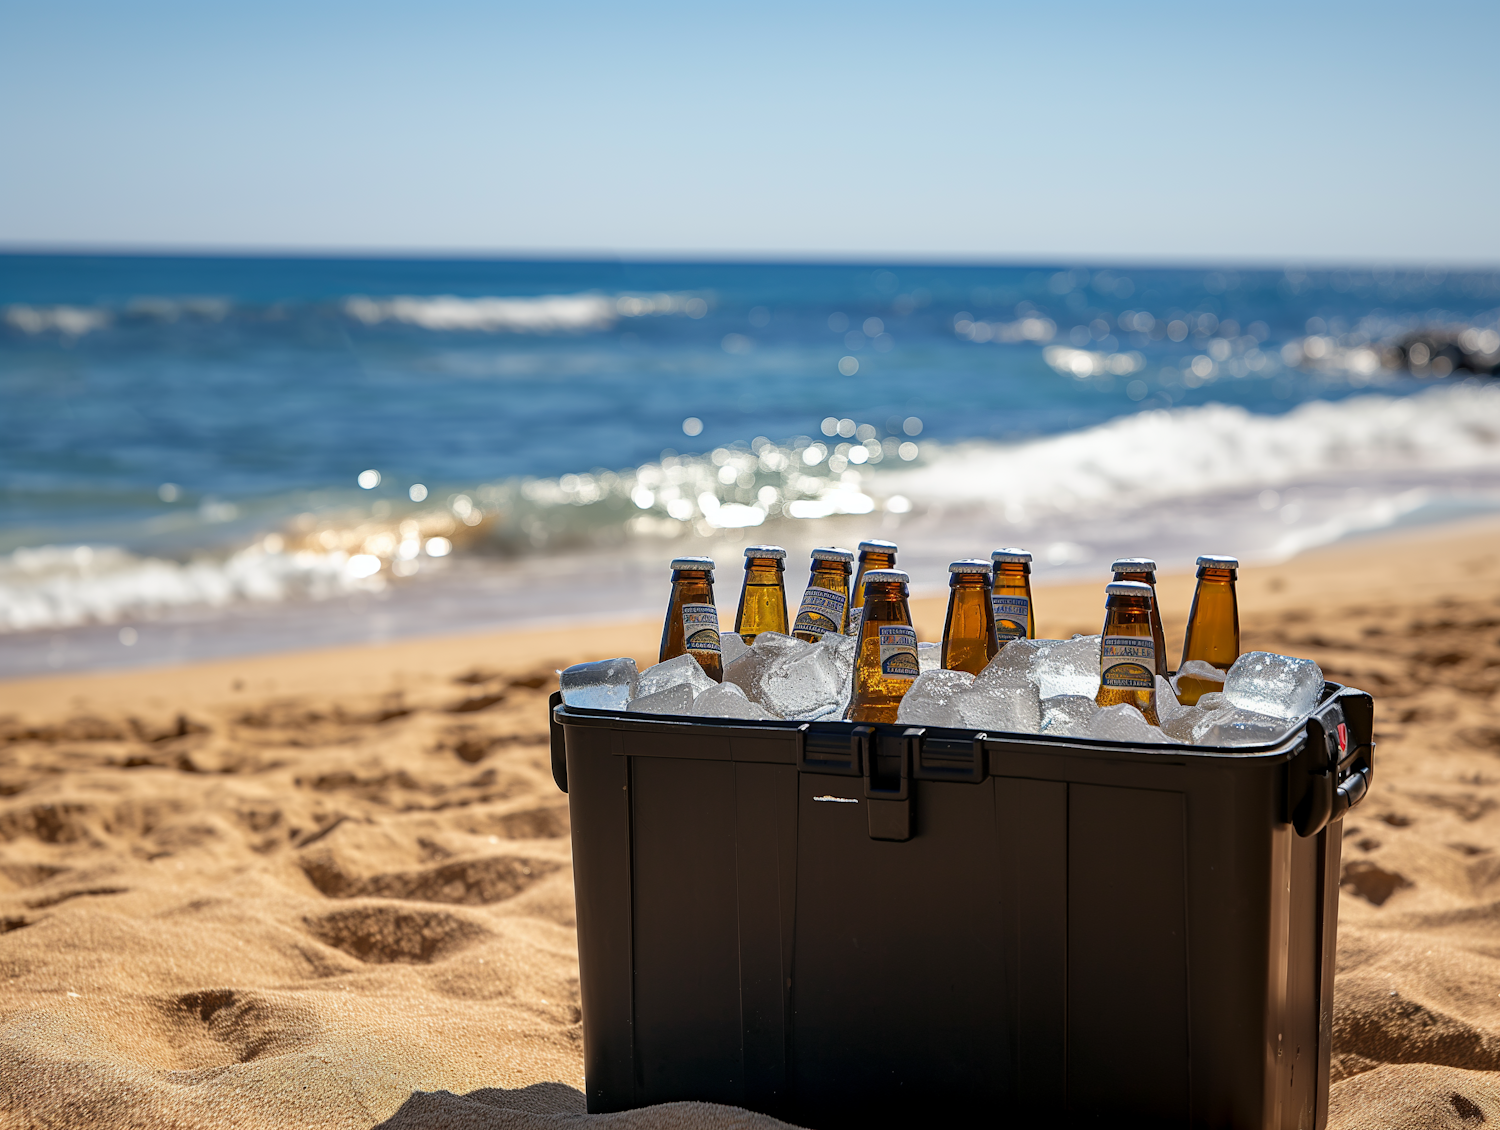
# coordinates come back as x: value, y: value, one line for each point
x: 559, y: 743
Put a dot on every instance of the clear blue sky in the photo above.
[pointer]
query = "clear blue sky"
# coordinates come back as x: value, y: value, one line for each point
x: 1085, y: 130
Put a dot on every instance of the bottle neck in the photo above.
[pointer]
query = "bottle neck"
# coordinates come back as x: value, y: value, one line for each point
x: 763, y: 571
x: 886, y: 604
x: 1146, y: 577
x: 830, y: 575
x: 1127, y: 616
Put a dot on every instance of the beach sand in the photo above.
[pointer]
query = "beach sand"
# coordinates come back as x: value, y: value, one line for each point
x: 333, y: 889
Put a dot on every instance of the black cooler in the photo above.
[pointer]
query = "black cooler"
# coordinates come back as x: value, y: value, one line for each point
x: 850, y: 925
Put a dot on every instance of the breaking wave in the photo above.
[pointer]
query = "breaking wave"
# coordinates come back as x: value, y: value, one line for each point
x: 544, y: 314
x: 1269, y: 486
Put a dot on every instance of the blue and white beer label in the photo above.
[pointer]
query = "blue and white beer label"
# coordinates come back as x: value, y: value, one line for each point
x: 1127, y: 663
x: 1011, y: 616
x: 898, y: 652
x: 700, y: 628
x: 822, y: 611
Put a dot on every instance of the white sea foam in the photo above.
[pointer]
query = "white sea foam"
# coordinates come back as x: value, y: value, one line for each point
x: 1163, y: 456
x: 62, y: 586
x: 550, y: 313
x: 70, y: 321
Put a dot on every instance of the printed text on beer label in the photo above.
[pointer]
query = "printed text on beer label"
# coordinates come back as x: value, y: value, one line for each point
x: 898, y: 651
x: 1127, y: 662
x: 1011, y: 615
x: 822, y: 611
x: 700, y: 627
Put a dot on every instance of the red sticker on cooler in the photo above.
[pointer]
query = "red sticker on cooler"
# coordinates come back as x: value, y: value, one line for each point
x: 1343, y: 738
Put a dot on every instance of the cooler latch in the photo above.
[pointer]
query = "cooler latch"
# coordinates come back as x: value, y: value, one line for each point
x: 887, y: 760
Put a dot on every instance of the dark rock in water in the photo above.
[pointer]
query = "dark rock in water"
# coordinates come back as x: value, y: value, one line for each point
x: 1437, y: 351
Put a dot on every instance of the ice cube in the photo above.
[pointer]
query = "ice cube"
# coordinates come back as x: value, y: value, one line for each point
x: 1068, y: 667
x: 1212, y: 700
x: 1124, y: 723
x: 683, y: 670
x: 1167, y: 706
x: 1198, y: 669
x: 997, y: 706
x: 677, y: 699
x: 931, y: 699
x: 750, y: 670
x: 806, y: 684
x: 1229, y: 726
x: 929, y: 657
x: 731, y: 647
x: 727, y: 701
x: 842, y: 651
x: 1278, y: 685
x: 609, y: 684
x: 1068, y: 715
x: 1180, y: 726
x: 1014, y: 662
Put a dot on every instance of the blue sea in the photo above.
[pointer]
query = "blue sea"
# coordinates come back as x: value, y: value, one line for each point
x: 215, y: 455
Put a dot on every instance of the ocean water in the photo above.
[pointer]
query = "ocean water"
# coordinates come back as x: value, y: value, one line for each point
x: 208, y: 456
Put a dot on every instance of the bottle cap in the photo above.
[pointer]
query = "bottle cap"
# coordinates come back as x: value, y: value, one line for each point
x: 1012, y: 556
x: 877, y: 547
x: 1213, y: 561
x: 1133, y: 565
x: 701, y: 564
x: 829, y: 554
x: 1128, y: 588
x: 886, y: 577
x: 973, y: 565
x: 765, y: 551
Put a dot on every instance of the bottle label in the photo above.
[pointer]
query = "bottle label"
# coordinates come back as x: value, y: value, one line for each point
x: 1128, y: 663
x: 822, y: 611
x: 1011, y: 615
x: 898, y: 652
x: 700, y: 628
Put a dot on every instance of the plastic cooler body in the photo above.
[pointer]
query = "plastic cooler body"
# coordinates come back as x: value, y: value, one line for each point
x: 846, y: 925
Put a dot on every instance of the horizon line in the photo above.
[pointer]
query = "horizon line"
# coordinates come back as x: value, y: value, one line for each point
x: 725, y: 256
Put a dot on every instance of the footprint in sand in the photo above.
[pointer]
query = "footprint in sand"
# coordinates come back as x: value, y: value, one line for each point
x: 388, y: 934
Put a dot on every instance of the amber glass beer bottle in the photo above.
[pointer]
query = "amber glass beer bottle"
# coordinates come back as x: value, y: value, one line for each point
x: 692, y: 618
x: 825, y: 604
x: 1015, y: 618
x: 1127, y: 653
x: 763, y: 599
x: 886, y: 663
x: 969, y: 632
x: 872, y: 555
x: 1143, y: 569
x: 1213, y: 631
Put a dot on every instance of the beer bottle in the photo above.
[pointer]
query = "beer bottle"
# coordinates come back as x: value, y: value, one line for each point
x: 692, y: 625
x: 1015, y: 619
x: 872, y: 555
x: 969, y: 632
x: 1213, y: 631
x: 1127, y: 653
x: 763, y: 599
x: 886, y: 662
x: 825, y: 604
x: 1143, y: 569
